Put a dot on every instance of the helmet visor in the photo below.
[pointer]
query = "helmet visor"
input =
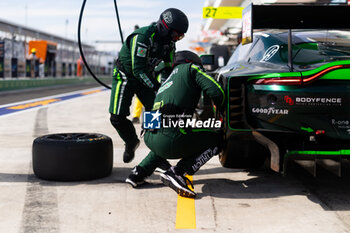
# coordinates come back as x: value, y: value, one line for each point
x: 175, y: 36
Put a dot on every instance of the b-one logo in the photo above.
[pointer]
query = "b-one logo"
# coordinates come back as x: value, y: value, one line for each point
x: 151, y: 120
x: 341, y: 124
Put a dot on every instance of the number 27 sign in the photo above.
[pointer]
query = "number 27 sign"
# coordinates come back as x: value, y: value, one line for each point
x: 224, y: 12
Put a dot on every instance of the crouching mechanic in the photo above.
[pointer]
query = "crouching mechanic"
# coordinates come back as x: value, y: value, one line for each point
x: 133, y: 74
x: 179, y: 95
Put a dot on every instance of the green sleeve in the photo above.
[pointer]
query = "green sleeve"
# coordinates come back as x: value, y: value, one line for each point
x: 140, y: 47
x: 208, y: 84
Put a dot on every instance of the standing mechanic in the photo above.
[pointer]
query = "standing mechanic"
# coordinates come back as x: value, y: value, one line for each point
x: 178, y: 96
x: 133, y: 73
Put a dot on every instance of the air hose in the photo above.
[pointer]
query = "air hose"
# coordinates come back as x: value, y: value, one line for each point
x: 79, y: 40
x: 117, y: 14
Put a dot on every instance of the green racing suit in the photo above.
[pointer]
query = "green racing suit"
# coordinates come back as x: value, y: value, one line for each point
x: 134, y: 74
x: 180, y: 94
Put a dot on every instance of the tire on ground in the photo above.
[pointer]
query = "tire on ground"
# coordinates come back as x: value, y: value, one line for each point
x: 243, y: 152
x: 72, y: 156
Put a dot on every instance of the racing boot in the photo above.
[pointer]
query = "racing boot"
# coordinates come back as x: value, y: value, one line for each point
x: 163, y: 166
x: 129, y: 152
x: 136, y: 177
x: 177, y: 182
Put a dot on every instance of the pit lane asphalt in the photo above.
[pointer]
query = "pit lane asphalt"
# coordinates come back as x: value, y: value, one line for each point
x: 12, y: 96
x: 227, y: 200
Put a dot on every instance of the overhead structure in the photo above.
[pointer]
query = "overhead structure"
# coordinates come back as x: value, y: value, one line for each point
x: 59, y: 55
x: 20, y: 32
x: 230, y: 28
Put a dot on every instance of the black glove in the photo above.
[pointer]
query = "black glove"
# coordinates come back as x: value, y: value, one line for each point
x: 156, y: 87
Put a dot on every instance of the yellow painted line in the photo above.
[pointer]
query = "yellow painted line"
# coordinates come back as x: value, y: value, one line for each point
x: 224, y: 12
x: 34, y: 104
x: 186, y: 212
x: 91, y: 92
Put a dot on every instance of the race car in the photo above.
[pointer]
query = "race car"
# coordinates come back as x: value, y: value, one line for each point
x: 288, y: 92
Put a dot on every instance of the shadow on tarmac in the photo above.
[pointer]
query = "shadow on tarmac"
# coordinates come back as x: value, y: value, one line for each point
x: 263, y: 184
x: 327, y: 190
x: 118, y: 176
x: 331, y: 190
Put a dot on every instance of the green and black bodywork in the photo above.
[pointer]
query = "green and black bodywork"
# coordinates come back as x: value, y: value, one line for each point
x: 281, y: 109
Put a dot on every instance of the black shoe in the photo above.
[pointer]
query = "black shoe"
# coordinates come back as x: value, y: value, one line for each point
x: 136, y: 177
x: 129, y: 152
x: 135, y: 120
x: 163, y: 167
x: 177, y: 183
